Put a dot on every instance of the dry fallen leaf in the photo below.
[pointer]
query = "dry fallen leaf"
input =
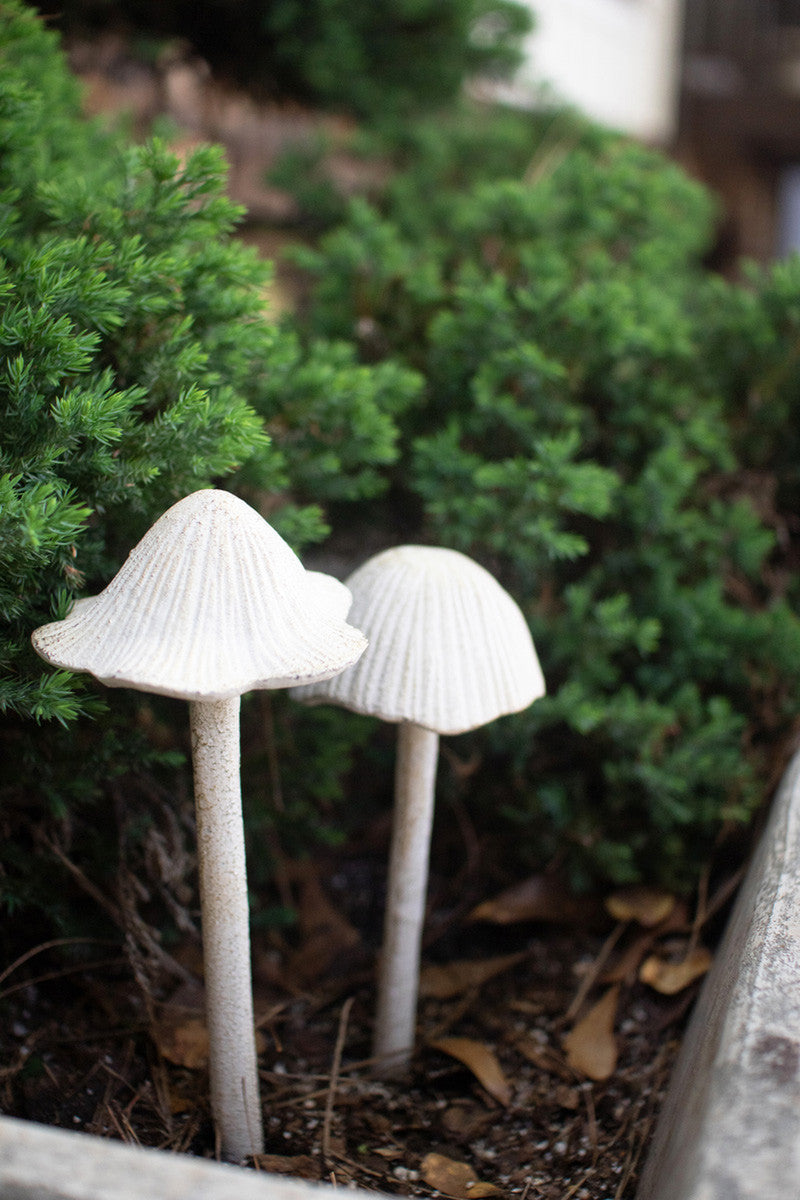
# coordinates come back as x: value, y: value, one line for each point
x: 544, y: 1057
x: 647, y: 906
x: 180, y: 1104
x: 443, y: 982
x: 567, y: 1097
x: 182, y: 1039
x: 326, y: 933
x: 539, y: 898
x: 466, y: 1120
x: 590, y: 1045
x: 669, y: 978
x: 456, y: 1179
x: 481, y: 1061
x: 301, y: 1166
x: 625, y: 969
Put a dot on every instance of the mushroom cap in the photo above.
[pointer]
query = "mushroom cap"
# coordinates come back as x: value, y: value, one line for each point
x: 331, y: 592
x: 212, y: 602
x: 448, y: 647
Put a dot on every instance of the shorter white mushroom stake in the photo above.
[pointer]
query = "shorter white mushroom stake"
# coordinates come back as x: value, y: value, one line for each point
x: 210, y: 604
x: 449, y: 650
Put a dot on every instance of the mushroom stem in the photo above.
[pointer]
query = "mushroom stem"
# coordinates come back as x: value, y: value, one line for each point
x: 235, y: 1102
x: 398, y: 976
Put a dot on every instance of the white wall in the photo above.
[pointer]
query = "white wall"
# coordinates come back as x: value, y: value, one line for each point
x: 617, y: 60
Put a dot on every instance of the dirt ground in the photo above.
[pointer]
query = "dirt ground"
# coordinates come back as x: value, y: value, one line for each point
x: 542, y: 1059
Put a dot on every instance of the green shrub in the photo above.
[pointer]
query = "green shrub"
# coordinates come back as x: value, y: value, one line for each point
x: 375, y: 60
x: 753, y: 339
x: 136, y: 365
x: 415, y: 163
x: 575, y: 435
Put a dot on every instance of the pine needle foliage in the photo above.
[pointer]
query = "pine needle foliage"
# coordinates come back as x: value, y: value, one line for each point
x: 377, y: 61
x: 137, y: 364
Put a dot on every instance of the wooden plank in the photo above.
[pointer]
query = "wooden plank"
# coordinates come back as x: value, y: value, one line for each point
x: 730, y: 1126
x: 41, y: 1163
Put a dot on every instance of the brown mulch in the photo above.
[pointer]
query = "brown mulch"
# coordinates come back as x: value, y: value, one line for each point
x: 542, y: 1057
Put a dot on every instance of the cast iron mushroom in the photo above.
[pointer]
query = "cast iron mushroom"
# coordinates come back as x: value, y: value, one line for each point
x: 449, y: 650
x: 212, y: 603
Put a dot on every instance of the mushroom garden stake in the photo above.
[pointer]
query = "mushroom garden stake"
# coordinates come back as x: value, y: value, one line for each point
x: 449, y: 650
x: 212, y: 603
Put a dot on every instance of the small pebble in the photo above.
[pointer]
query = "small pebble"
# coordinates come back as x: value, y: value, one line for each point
x: 405, y: 1173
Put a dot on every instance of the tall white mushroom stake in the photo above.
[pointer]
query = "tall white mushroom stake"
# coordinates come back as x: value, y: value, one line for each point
x: 449, y: 650
x: 212, y: 603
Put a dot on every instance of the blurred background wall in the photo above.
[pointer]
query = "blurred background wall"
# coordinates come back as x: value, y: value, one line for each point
x: 618, y: 60
x: 739, y: 117
x: 714, y: 82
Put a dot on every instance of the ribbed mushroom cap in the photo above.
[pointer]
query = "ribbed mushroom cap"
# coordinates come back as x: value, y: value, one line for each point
x: 448, y: 647
x: 211, y: 603
x: 331, y: 593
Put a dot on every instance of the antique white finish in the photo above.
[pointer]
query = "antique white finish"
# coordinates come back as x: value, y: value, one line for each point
x: 449, y: 650
x: 335, y: 597
x: 233, y: 1068
x: 212, y: 603
x: 407, y: 883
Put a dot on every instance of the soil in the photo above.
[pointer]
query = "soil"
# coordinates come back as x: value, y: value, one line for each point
x: 502, y: 1099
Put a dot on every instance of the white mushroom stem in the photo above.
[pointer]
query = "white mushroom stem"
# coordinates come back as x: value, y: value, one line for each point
x: 398, y: 975
x: 233, y: 1068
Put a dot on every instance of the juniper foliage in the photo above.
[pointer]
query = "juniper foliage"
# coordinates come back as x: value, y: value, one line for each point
x: 137, y: 364
x: 585, y: 424
x: 373, y: 60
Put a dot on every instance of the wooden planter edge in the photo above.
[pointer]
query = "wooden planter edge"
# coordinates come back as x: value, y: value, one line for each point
x: 729, y: 1128
x: 41, y: 1163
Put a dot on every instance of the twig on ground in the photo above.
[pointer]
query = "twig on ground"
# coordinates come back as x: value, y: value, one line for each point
x: 455, y: 1014
x: 272, y: 1012
x: 594, y: 972
x: 641, y: 1125
x: 138, y: 936
x: 51, y: 945
x: 62, y: 974
x: 115, y: 1078
x: 576, y: 1186
x: 591, y: 1119
x: 335, y: 1065
x: 724, y: 892
x: 700, y: 912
